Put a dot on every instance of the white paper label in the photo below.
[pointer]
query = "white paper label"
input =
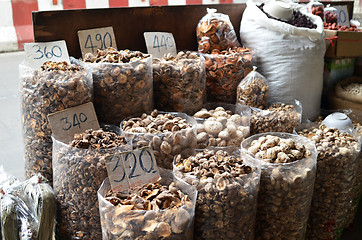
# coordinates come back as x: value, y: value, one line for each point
x: 343, y: 16
x: 160, y: 43
x: 132, y: 169
x: 98, y: 38
x: 64, y: 124
x: 39, y: 53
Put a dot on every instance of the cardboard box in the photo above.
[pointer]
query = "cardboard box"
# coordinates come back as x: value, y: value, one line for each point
x: 343, y: 44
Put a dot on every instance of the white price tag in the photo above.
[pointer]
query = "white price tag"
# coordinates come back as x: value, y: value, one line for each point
x: 132, y: 169
x: 343, y: 16
x: 39, y: 53
x: 66, y: 123
x: 98, y: 38
x: 160, y: 43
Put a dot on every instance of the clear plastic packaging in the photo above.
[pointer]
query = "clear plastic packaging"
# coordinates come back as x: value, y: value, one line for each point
x: 331, y: 15
x: 78, y: 174
x: 215, y: 31
x: 179, y: 83
x: 122, y: 223
x: 316, y: 8
x: 226, y: 202
x: 224, y: 71
x: 54, y: 87
x: 253, y: 90
x: 222, y: 124
x: 278, y: 117
x: 122, y: 89
x: 27, y: 210
x: 166, y: 144
x: 286, y: 191
x: 338, y: 158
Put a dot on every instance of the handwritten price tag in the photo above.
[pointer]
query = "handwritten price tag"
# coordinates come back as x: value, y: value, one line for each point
x: 98, y: 38
x: 160, y: 43
x: 343, y: 16
x: 38, y: 53
x: 132, y: 169
x: 66, y: 123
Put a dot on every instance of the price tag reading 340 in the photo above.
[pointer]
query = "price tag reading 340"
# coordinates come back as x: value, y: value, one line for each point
x: 98, y: 38
x: 160, y: 43
x: 132, y: 169
x: 39, y: 53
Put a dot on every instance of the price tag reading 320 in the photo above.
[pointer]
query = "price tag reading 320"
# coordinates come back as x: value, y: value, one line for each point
x: 98, y: 38
x: 38, y: 53
x: 132, y: 169
x: 160, y: 43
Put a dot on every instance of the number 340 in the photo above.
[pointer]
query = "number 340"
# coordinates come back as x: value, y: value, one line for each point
x: 77, y: 119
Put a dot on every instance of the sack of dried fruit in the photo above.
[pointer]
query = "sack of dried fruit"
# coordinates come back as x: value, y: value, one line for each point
x: 289, y: 53
x: 253, y: 90
x: 215, y: 31
x: 54, y: 87
x: 161, y: 210
x: 79, y: 169
x: 123, y: 84
x: 179, y: 83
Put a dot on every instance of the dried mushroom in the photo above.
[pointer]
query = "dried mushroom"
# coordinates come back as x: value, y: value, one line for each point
x: 224, y: 71
x: 219, y: 127
x: 288, y: 167
x: 179, y: 82
x: 123, y: 84
x: 79, y: 169
x: 278, y: 117
x: 338, y: 159
x: 54, y: 87
x: 227, y: 193
x: 168, y: 134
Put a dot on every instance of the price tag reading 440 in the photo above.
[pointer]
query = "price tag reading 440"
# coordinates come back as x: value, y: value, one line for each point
x: 160, y: 43
x: 132, y: 169
x: 66, y: 123
x: 98, y: 38
x: 39, y: 53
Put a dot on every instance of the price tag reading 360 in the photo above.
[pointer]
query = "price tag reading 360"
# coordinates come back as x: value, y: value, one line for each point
x: 160, y: 43
x: 38, y: 53
x: 98, y: 38
x: 132, y: 169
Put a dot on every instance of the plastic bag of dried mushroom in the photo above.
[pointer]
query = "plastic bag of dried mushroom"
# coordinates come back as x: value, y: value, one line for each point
x: 277, y: 117
x: 227, y: 193
x: 222, y: 124
x: 167, y: 133
x: 79, y: 169
x: 253, y: 90
x: 288, y: 170
x: 161, y: 210
x: 338, y: 159
x: 215, y: 31
x: 224, y: 71
x: 123, y: 84
x: 179, y: 83
x: 53, y: 87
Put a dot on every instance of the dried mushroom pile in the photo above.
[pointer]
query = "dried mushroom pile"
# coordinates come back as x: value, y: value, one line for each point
x: 168, y: 134
x: 224, y: 71
x: 278, y: 117
x: 122, y: 84
x: 337, y: 161
x: 179, y: 82
x: 79, y: 169
x: 53, y: 87
x: 220, y: 128
x: 286, y: 185
x: 227, y: 191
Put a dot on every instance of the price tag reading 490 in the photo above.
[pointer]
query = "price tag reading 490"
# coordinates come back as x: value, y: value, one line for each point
x: 160, y: 43
x: 132, y: 169
x: 38, y: 53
